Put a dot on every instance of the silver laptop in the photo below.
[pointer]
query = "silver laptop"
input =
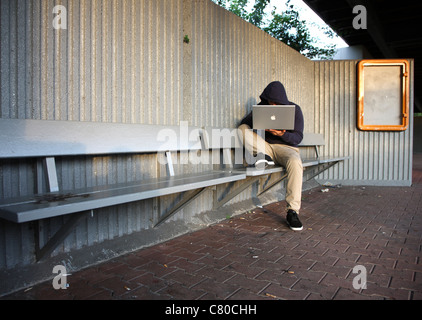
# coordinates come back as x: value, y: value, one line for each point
x: 280, y: 117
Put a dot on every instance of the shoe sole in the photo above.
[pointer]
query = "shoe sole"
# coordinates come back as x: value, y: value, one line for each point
x: 294, y: 228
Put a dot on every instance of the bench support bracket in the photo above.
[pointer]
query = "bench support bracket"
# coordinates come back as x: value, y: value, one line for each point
x: 183, y: 203
x: 219, y: 203
x: 321, y: 168
x: 272, y: 185
x: 58, y: 238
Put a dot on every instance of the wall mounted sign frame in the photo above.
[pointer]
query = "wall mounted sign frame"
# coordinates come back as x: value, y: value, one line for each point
x: 383, y: 95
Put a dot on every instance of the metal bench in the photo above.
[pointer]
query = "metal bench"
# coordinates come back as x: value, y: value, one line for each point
x: 48, y: 140
x: 224, y: 138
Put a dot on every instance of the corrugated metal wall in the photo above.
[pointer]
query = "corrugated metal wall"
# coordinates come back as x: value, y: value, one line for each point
x: 126, y: 61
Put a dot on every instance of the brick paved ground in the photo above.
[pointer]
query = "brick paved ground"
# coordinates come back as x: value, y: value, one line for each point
x: 256, y: 256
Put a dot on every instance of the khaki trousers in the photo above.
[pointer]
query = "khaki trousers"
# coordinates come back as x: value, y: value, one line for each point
x: 286, y: 156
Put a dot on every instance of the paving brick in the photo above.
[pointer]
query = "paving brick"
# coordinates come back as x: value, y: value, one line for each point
x: 249, y: 271
x: 82, y: 291
x: 144, y: 293
x: 92, y: 275
x: 364, y: 259
x: 247, y: 260
x: 134, y: 260
x: 186, y: 254
x: 159, y: 257
x: 315, y: 276
x: 216, y: 289
x: 315, y: 296
x: 381, y: 280
x: 343, y: 255
x: 278, y: 292
x: 211, y: 243
x: 214, y: 262
x: 347, y: 294
x: 325, y: 291
x: 148, y: 280
x: 186, y: 279
x: 125, y: 272
x: 216, y: 253
x: 101, y: 295
x: 276, y: 267
x: 185, y: 265
x: 179, y: 292
x: 408, y: 265
x: 159, y: 270
x: 376, y: 290
x: 333, y: 280
x: 116, y: 285
x: 283, y: 279
x: 400, y: 283
x: 243, y: 294
x: 216, y: 275
x: 344, y: 263
x: 253, y: 285
x: 340, y: 272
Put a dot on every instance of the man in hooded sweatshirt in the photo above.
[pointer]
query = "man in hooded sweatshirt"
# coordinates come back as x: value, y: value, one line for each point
x: 279, y: 147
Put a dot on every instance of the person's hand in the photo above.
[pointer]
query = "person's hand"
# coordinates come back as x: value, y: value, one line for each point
x: 277, y: 133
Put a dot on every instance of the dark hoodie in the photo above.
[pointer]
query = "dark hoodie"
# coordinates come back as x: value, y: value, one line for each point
x: 275, y: 92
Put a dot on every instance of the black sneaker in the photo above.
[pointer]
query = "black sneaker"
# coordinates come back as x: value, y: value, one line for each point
x: 264, y: 160
x: 293, y: 220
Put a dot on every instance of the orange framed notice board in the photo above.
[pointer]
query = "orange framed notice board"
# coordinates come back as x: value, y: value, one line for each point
x: 383, y: 95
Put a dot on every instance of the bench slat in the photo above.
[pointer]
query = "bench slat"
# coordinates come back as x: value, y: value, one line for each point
x: 42, y: 138
x: 254, y: 172
x: 332, y: 159
x: 31, y: 208
x: 312, y: 139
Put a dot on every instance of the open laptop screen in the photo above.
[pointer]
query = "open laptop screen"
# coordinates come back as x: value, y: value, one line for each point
x: 279, y: 117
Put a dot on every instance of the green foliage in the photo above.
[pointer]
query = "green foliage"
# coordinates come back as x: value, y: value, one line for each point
x: 238, y: 7
x: 286, y: 27
x: 257, y: 14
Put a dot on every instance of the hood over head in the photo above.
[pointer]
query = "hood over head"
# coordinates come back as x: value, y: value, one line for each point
x: 275, y: 92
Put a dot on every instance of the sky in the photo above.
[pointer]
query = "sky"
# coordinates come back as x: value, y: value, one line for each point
x: 306, y: 14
